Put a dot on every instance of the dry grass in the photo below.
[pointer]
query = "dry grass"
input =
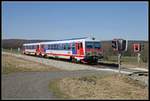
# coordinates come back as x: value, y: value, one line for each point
x: 13, y: 64
x: 106, y: 87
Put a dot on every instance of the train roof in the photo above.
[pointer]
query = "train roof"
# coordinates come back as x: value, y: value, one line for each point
x: 64, y: 40
x: 70, y: 40
x: 31, y: 43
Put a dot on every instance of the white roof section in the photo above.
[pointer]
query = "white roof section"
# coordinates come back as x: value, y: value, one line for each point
x: 31, y: 44
x: 65, y: 41
x: 70, y: 41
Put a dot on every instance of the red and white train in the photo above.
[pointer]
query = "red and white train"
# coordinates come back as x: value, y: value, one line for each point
x: 85, y: 50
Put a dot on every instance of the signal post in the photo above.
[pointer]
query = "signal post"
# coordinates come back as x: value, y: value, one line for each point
x: 119, y: 45
x: 137, y: 47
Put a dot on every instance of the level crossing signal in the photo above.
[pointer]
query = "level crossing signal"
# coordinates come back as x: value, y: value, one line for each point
x: 137, y: 47
x: 119, y: 45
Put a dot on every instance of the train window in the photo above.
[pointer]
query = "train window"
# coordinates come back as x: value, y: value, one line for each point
x: 67, y: 46
x: 48, y: 46
x: 97, y: 45
x: 52, y: 46
x: 64, y: 46
x: 89, y: 44
x: 59, y: 46
x: 55, y: 46
x: 73, y: 46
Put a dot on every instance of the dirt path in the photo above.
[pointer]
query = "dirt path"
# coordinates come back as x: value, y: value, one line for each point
x: 34, y: 85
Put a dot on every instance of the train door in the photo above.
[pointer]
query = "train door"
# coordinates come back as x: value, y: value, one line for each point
x: 42, y: 49
x: 74, y: 51
x: 79, y: 47
x: 37, y: 50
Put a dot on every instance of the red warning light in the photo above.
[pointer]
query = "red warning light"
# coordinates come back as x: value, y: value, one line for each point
x: 136, y: 47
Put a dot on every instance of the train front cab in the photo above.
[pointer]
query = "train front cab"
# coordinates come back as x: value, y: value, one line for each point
x: 93, y: 52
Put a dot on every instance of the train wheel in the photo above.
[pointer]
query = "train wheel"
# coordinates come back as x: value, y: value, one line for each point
x: 70, y: 58
x: 40, y: 55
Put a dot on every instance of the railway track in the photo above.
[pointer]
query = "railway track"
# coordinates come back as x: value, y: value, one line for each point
x: 140, y: 75
x: 113, y: 66
x: 99, y: 65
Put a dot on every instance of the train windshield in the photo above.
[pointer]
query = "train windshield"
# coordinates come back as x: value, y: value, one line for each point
x: 95, y: 45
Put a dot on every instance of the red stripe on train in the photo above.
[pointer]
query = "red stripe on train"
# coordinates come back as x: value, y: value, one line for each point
x: 64, y: 55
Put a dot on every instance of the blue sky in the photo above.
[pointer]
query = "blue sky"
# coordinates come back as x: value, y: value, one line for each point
x: 64, y: 20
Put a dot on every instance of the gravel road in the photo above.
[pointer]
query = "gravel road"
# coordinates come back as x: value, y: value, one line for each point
x: 34, y: 85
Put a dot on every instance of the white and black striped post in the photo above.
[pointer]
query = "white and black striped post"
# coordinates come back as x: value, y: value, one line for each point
x: 119, y: 62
